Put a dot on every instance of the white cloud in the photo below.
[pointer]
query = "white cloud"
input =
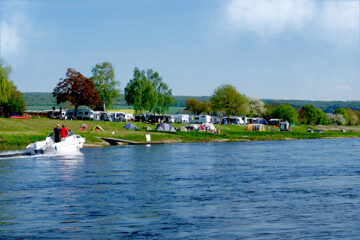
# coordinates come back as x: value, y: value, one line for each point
x: 332, y: 20
x: 268, y: 17
x: 10, y: 39
x: 346, y: 87
x: 16, y: 28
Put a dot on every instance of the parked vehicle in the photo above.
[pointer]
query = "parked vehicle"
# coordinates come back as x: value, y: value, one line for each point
x: 85, y: 114
x: 69, y: 114
x: 275, y: 121
x: 285, y: 126
x: 182, y: 118
x: 123, y: 117
x: 201, y: 119
x: 169, y: 118
x: 235, y: 120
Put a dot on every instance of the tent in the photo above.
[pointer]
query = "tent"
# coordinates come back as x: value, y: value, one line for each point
x: 255, y: 127
x: 97, y: 128
x: 130, y: 126
x: 147, y: 128
x: 182, y: 129
x: 209, y: 126
x: 165, y: 127
x: 192, y: 127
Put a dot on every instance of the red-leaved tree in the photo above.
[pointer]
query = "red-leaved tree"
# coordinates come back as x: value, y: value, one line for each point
x: 76, y: 89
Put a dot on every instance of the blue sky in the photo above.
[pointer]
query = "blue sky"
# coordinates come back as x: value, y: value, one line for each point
x: 283, y: 49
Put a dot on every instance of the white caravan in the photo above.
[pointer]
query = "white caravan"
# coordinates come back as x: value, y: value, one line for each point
x: 201, y: 119
x: 182, y: 118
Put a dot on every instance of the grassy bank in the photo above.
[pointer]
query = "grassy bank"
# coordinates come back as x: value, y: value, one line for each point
x: 17, y: 133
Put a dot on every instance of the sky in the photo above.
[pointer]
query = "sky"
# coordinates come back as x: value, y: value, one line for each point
x: 277, y: 49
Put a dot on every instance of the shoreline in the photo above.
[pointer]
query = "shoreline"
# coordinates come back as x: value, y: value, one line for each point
x: 16, y: 134
x: 215, y: 141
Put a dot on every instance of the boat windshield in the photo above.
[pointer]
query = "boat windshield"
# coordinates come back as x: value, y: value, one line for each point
x: 71, y: 133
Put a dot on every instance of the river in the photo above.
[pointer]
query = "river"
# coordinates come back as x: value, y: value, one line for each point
x: 307, y: 189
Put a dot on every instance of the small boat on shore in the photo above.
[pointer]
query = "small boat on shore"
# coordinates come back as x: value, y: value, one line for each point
x: 72, y: 143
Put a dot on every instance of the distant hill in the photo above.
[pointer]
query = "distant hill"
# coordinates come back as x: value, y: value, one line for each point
x: 326, y: 106
x: 39, y: 100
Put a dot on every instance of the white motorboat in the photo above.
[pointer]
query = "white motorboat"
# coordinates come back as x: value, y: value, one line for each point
x: 72, y: 143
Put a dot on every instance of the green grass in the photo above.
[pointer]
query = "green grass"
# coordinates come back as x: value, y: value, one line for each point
x: 17, y: 133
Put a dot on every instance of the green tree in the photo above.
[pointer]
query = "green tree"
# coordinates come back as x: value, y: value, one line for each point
x: 76, y: 89
x: 197, y: 107
x: 16, y: 102
x: 268, y: 112
x: 343, y: 112
x: 139, y: 93
x: 163, y: 95
x: 353, y: 118
x: 321, y: 118
x: 228, y: 100
x: 147, y: 91
x: 104, y: 80
x: 286, y: 113
x: 5, y: 84
x: 308, y: 114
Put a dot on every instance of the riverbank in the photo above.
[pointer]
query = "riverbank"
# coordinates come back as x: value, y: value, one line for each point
x: 18, y: 133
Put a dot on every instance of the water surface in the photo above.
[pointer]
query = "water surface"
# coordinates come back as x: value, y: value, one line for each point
x: 306, y: 189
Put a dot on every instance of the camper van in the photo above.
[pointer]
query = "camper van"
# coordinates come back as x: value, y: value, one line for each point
x: 201, y: 119
x: 123, y: 117
x: 257, y: 121
x: 236, y: 121
x: 169, y: 118
x: 275, y: 121
x: 85, y: 114
x: 69, y: 115
x: 181, y: 118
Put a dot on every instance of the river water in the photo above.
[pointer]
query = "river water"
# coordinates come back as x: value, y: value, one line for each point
x: 308, y: 189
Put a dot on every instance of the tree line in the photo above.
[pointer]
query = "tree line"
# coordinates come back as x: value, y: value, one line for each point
x: 227, y: 101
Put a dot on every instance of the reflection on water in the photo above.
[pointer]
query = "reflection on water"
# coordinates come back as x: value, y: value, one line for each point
x: 259, y: 190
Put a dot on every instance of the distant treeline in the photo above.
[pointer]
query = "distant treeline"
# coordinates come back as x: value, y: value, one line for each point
x: 46, y: 99
x: 326, y: 106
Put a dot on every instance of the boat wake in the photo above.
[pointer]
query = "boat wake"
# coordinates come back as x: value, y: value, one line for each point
x: 27, y: 154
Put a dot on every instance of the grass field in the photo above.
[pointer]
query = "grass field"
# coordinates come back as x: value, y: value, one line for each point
x: 17, y: 133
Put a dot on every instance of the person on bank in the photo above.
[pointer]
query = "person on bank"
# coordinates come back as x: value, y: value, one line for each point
x: 63, y: 132
x: 57, y: 133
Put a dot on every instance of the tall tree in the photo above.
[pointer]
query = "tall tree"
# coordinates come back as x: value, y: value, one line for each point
x: 353, y: 118
x: 257, y: 107
x: 286, y: 113
x: 104, y: 80
x: 76, y: 89
x: 322, y: 118
x: 197, y: 107
x: 308, y: 114
x: 138, y: 91
x: 163, y: 98
x: 228, y: 100
x: 16, y: 102
x: 147, y: 91
x: 343, y: 112
x: 5, y: 84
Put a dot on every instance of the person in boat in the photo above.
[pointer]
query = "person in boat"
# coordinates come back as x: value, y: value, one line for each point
x: 63, y: 132
x: 57, y: 133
